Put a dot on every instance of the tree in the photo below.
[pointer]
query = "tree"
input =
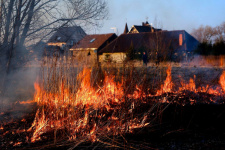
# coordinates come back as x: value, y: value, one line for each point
x: 26, y: 21
x: 204, y: 48
x: 220, y: 33
x: 219, y: 48
x: 211, y: 39
x: 209, y: 34
x: 23, y: 22
x: 204, y: 34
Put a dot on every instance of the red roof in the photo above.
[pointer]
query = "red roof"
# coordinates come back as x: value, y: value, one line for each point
x: 94, y: 41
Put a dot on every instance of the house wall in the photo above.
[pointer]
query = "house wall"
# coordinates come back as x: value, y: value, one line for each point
x: 88, y: 57
x: 60, y: 44
x: 112, y: 57
x: 134, y: 30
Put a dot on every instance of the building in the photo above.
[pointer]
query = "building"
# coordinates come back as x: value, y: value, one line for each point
x: 160, y: 45
x: 87, y: 49
x: 66, y: 37
x: 145, y: 27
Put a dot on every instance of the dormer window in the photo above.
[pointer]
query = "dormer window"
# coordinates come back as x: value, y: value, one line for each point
x: 92, y: 40
x: 58, y: 38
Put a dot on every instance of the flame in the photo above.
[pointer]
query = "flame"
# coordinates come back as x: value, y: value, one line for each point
x: 63, y: 109
x: 188, y: 86
x: 92, y: 110
x: 27, y: 102
x: 18, y: 143
x: 167, y: 87
x: 168, y: 84
x: 222, y: 80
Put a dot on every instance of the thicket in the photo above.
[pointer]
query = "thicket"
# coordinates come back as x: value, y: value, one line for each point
x: 216, y: 49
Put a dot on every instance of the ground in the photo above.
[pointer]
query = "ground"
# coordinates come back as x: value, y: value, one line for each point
x: 198, y: 126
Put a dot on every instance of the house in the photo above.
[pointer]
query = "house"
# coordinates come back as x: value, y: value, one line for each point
x: 173, y: 45
x: 145, y: 27
x: 66, y: 37
x: 87, y: 49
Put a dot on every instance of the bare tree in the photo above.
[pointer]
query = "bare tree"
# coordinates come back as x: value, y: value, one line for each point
x: 209, y: 32
x: 22, y: 20
x: 220, y: 33
x: 1, y: 11
x: 205, y: 34
x: 199, y: 33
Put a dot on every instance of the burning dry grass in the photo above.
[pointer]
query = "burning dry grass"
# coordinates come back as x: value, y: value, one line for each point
x: 84, y: 104
x: 108, y: 108
x: 92, y: 112
x: 80, y: 104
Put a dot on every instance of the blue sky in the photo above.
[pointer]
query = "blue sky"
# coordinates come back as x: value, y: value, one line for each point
x: 165, y: 14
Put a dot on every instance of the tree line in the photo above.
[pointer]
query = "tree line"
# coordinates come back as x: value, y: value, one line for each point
x: 212, y: 39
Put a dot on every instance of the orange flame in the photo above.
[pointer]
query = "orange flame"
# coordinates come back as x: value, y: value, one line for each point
x: 222, y: 81
x: 168, y: 84
x: 74, y: 112
x: 189, y: 86
x: 61, y: 109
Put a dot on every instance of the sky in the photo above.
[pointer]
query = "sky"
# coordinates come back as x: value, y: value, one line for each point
x: 165, y: 14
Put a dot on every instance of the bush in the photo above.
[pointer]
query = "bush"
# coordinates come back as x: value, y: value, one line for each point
x: 205, y: 48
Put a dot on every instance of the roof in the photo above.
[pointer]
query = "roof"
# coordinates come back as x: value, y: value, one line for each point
x: 94, y: 41
x: 143, y: 28
x: 145, y: 40
x: 64, y: 34
x: 126, y: 29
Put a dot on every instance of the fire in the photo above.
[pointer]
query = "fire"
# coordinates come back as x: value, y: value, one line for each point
x: 64, y: 110
x: 168, y: 84
x: 18, y: 143
x: 167, y: 87
x: 27, y: 102
x: 94, y: 111
x: 222, y: 80
x: 188, y: 86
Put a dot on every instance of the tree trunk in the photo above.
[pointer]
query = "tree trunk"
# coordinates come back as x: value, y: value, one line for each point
x: 8, y: 21
x: 28, y: 21
x: 18, y: 22
x: 1, y: 5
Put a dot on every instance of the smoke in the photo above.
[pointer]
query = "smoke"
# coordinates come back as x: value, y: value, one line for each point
x: 206, y: 61
x: 17, y: 84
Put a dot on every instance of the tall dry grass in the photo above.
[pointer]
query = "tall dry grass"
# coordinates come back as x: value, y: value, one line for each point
x: 115, y: 117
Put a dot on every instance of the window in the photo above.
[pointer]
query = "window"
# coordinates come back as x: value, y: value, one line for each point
x: 58, y: 38
x: 92, y: 40
x: 180, y: 40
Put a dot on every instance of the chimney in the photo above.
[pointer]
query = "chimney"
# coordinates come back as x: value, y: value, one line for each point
x: 145, y: 24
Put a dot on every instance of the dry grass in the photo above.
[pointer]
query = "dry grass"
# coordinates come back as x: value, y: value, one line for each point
x: 114, y: 116
x: 58, y: 74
